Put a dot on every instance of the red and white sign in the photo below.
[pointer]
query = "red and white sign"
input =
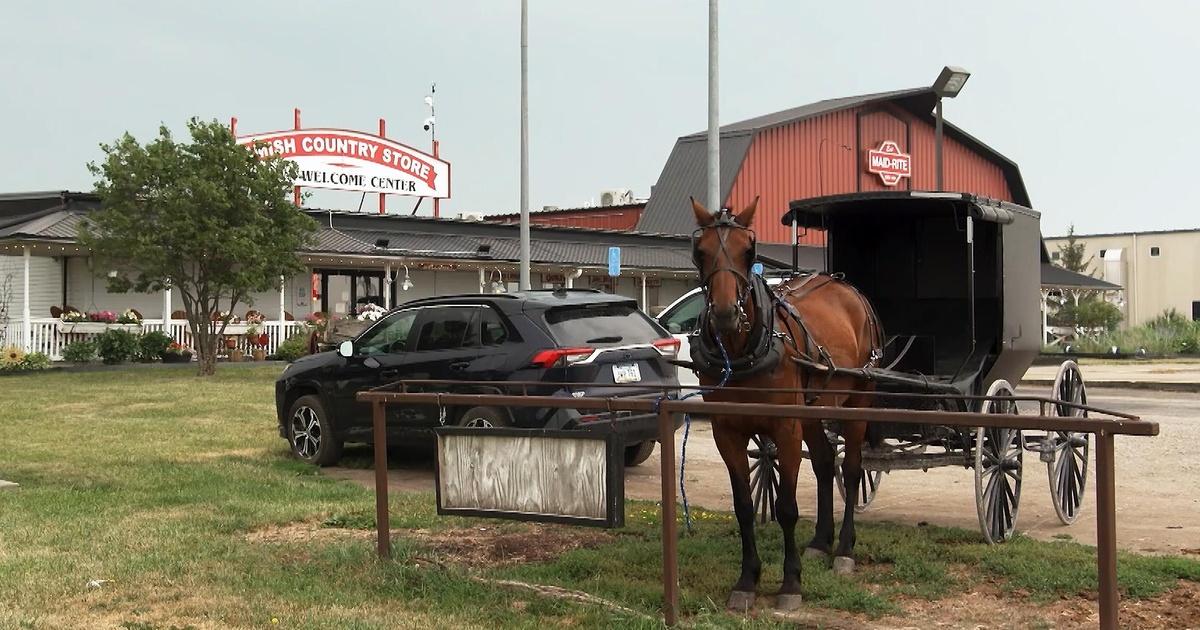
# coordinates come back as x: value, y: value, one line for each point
x: 351, y: 160
x: 889, y: 162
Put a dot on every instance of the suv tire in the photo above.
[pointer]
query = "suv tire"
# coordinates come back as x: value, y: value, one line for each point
x: 310, y: 434
x: 636, y: 454
x: 483, y: 418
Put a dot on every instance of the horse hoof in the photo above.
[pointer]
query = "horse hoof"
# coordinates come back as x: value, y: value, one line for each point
x: 843, y: 565
x: 741, y: 601
x: 787, y: 602
x: 812, y: 553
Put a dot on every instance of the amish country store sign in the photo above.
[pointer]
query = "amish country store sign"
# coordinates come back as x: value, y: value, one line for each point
x: 350, y: 160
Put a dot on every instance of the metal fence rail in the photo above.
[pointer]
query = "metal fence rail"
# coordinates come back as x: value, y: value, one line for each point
x: 1105, y: 428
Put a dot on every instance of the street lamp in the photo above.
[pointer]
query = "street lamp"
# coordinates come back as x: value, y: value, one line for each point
x: 948, y: 84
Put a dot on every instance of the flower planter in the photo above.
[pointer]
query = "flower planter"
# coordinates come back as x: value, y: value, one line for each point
x: 259, y: 354
x: 94, y: 328
x: 177, y: 358
x: 236, y: 356
x: 234, y: 329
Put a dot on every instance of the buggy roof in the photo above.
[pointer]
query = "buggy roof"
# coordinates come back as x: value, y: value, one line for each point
x: 814, y: 212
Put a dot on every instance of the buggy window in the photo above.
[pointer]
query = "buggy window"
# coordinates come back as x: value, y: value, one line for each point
x: 600, y: 325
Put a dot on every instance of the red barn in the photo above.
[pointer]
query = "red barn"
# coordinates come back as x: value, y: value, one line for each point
x: 824, y: 149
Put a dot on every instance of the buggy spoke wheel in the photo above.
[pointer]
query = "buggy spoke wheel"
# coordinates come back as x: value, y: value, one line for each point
x: 998, y: 460
x: 867, y: 486
x: 1067, y: 463
x: 764, y: 477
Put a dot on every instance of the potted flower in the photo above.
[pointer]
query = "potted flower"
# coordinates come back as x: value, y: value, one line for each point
x: 74, y: 322
x: 130, y: 316
x: 73, y: 317
x: 255, y: 335
x: 177, y: 353
x: 369, y: 312
x: 103, y: 317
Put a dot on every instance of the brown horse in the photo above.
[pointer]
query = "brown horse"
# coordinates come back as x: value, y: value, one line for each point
x: 808, y: 322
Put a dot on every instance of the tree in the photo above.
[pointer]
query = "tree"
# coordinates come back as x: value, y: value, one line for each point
x: 207, y: 218
x: 1071, y: 254
x: 1088, y: 309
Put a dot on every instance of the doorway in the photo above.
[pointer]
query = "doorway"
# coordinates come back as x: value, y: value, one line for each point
x: 342, y: 291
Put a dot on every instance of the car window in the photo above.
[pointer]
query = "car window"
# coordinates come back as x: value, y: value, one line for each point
x: 492, y: 330
x: 682, y: 318
x: 389, y: 336
x: 445, y: 328
x: 603, y: 324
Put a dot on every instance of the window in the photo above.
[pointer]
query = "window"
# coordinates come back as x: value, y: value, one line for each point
x: 1154, y: 251
x: 600, y: 325
x: 389, y: 336
x: 1102, y: 253
x: 445, y: 328
x: 492, y: 331
x: 682, y: 318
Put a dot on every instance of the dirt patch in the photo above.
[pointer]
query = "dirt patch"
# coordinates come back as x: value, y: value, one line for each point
x: 488, y: 547
x: 305, y: 532
x: 986, y: 606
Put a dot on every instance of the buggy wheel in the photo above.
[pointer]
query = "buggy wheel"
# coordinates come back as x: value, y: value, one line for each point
x: 998, y: 459
x: 869, y: 484
x: 764, y: 476
x: 1066, y: 452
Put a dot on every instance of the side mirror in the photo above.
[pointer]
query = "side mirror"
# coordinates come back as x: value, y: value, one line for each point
x: 346, y: 349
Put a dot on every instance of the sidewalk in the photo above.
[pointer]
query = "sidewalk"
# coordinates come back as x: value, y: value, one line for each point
x: 1175, y: 375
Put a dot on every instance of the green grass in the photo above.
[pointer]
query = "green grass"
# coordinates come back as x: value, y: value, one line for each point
x: 153, y: 479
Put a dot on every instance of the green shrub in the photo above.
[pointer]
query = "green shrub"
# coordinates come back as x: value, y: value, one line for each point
x: 295, y: 347
x: 35, y: 361
x: 117, y: 346
x: 152, y: 346
x: 79, y: 352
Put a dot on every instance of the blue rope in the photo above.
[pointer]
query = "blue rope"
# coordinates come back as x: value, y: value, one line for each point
x: 687, y: 429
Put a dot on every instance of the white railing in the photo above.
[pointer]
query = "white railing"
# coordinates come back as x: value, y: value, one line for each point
x: 49, y: 336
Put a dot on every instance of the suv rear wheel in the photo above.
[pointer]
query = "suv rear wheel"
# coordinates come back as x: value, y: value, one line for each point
x: 483, y: 418
x: 636, y: 454
x: 310, y: 434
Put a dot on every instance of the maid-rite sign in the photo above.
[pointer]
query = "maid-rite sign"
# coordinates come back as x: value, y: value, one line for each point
x: 350, y: 160
x: 889, y: 162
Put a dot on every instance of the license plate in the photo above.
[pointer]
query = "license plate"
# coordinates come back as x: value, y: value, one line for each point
x: 627, y: 373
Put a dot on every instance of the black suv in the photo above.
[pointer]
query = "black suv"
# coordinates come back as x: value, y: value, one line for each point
x: 552, y: 337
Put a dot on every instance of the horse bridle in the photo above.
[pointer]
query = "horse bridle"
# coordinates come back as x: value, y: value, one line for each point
x: 725, y: 219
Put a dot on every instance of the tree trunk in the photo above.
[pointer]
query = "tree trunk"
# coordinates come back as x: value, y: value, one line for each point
x: 207, y: 362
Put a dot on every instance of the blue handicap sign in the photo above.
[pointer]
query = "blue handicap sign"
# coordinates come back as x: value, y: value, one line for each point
x: 757, y: 269
x: 614, y: 261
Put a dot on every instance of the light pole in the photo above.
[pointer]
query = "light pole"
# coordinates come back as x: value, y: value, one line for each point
x: 713, y: 197
x: 524, y: 276
x: 948, y: 84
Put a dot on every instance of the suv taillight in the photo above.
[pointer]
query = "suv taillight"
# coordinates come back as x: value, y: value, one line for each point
x: 560, y: 356
x: 668, y: 347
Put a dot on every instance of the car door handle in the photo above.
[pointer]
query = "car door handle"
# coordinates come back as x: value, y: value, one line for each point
x: 459, y: 366
x: 390, y: 373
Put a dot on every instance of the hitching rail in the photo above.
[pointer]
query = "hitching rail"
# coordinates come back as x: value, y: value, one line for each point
x: 1103, y: 428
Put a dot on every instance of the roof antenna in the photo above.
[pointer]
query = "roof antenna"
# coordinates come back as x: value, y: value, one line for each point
x: 330, y: 218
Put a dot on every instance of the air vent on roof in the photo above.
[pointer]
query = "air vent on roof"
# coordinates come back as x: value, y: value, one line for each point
x: 484, y: 250
x: 470, y: 216
x: 549, y: 208
x: 382, y: 243
x: 616, y: 197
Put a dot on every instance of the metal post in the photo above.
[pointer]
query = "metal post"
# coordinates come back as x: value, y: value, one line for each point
x: 1106, y: 529
x: 670, y: 542
x: 437, y: 201
x: 795, y: 245
x: 282, y: 301
x: 296, y: 125
x: 26, y: 318
x: 645, y: 299
x: 937, y: 145
x: 525, y: 284
x: 713, y: 198
x: 382, y: 196
x: 387, y: 286
x: 383, y: 534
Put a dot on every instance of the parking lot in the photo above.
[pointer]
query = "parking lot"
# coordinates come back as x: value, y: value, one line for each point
x: 1158, y: 508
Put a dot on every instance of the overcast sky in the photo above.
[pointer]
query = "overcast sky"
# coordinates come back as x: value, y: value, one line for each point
x: 1096, y: 101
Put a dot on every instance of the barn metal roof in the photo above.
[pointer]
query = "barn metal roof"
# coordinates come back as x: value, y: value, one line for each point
x: 685, y: 173
x: 1060, y: 277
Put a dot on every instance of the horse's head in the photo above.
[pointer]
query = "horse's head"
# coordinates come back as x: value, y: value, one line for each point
x: 723, y: 248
